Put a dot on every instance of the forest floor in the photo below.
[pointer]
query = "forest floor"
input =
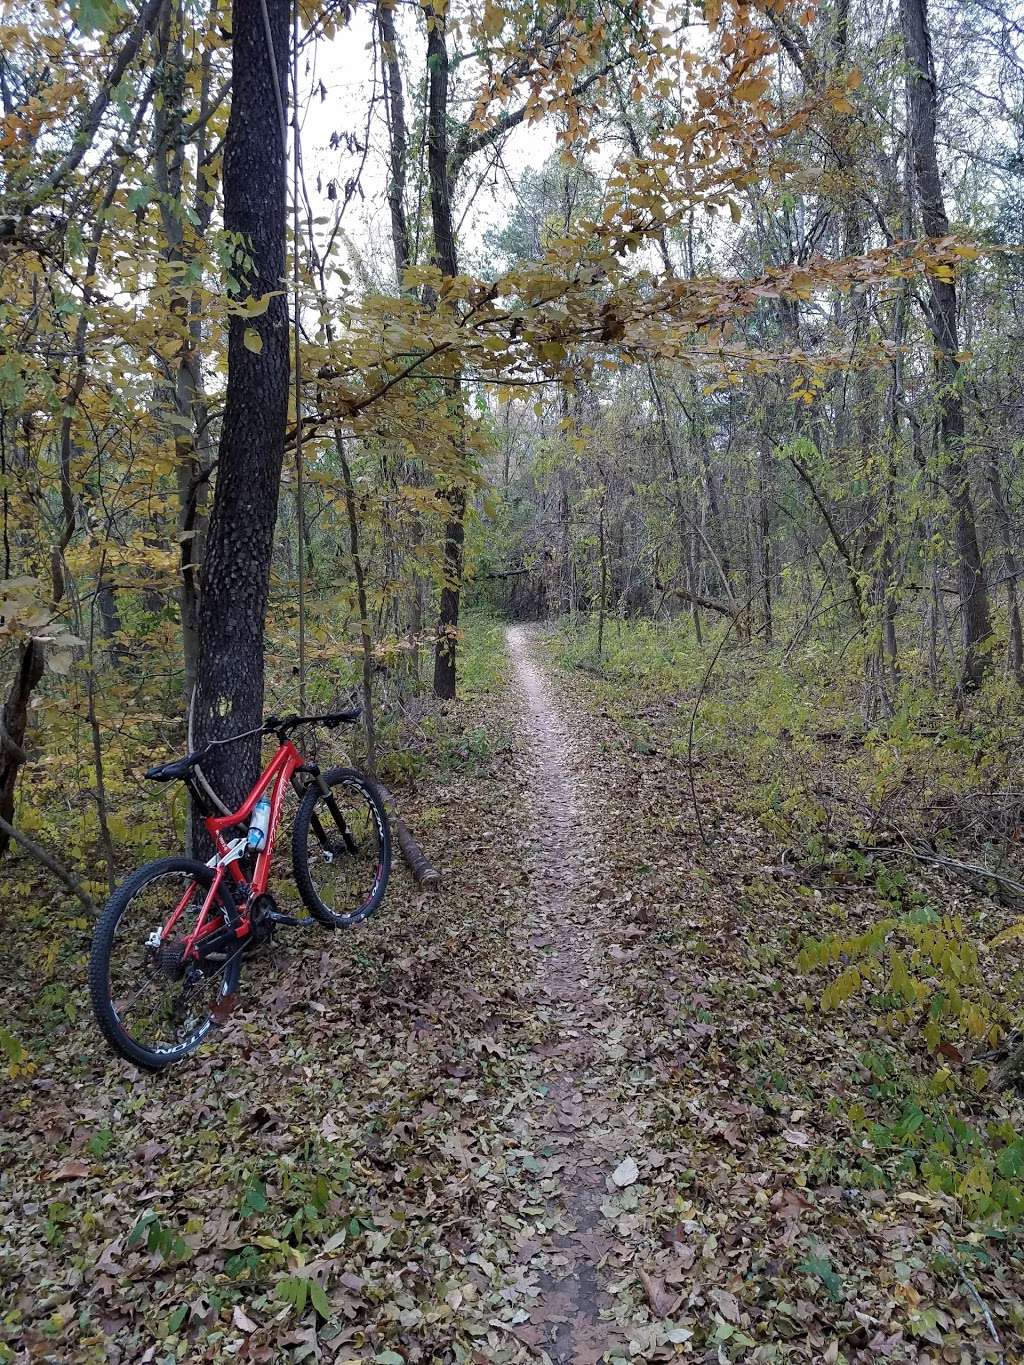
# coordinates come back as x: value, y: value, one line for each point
x: 577, y: 1106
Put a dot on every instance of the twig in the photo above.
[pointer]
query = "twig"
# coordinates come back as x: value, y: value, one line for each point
x: 983, y: 1306
x: 58, y: 869
x: 940, y: 860
x: 696, y: 706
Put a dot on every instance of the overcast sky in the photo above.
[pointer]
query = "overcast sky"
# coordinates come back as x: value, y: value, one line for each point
x: 350, y: 75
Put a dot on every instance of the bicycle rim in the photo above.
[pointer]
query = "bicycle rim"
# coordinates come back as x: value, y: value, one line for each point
x: 162, y: 1004
x: 344, y: 847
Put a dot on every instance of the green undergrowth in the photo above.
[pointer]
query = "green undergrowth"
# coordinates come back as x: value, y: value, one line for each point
x: 823, y: 775
x: 927, y: 965
x: 482, y: 660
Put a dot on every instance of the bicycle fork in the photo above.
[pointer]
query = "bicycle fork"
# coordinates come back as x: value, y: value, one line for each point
x: 316, y: 779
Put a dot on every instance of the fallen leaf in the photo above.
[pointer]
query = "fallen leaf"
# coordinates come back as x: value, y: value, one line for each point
x: 663, y: 1302
x: 71, y: 1170
x: 627, y: 1172
x: 728, y: 1304
x: 242, y: 1321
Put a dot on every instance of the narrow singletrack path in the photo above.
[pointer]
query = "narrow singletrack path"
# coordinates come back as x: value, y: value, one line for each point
x: 576, y: 1130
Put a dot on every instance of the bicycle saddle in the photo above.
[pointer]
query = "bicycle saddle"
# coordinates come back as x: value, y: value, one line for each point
x: 177, y: 770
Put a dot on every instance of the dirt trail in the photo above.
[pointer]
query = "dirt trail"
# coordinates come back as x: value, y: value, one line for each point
x: 577, y: 1132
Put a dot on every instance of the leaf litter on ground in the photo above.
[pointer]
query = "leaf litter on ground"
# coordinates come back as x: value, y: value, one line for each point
x: 420, y: 1142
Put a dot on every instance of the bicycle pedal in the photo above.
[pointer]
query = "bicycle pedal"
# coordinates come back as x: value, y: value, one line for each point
x: 295, y: 921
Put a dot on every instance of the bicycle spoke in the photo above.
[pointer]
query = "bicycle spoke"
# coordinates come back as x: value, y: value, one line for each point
x: 161, y: 1002
x: 342, y: 852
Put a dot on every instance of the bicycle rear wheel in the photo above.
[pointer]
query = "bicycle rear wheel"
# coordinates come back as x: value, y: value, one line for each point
x: 152, y: 1006
x: 341, y: 848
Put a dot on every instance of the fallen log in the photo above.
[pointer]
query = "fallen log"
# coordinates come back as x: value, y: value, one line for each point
x: 422, y: 869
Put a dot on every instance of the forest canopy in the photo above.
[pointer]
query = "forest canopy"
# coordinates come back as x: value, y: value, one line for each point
x: 758, y: 292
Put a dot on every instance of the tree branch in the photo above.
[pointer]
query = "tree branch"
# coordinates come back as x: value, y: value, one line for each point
x: 94, y: 114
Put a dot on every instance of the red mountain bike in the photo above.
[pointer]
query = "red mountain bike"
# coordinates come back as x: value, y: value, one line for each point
x: 167, y: 951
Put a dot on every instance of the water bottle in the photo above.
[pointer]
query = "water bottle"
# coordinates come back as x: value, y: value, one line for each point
x: 259, y: 824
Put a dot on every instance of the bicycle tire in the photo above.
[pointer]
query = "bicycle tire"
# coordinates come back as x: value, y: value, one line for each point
x: 313, y: 803
x: 104, y: 939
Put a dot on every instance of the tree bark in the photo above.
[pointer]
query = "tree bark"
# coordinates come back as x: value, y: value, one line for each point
x: 236, y: 566
x: 394, y: 94
x: 184, y: 389
x: 1010, y: 567
x: 445, y: 255
x: 13, y: 724
x: 922, y: 98
x: 365, y: 632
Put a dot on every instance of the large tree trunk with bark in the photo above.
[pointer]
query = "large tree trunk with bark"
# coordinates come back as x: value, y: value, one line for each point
x: 445, y: 255
x: 13, y: 724
x: 239, y: 543
x: 922, y: 98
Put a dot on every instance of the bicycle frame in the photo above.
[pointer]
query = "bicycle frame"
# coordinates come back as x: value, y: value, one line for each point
x: 279, y: 772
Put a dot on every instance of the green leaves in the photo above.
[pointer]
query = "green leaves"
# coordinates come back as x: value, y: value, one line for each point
x: 176, y: 1319
x: 141, y: 196
x: 1010, y: 1161
x: 298, y: 1289
x: 93, y: 16
x: 254, y: 1199
x: 821, y: 1268
x: 11, y: 1048
x: 99, y: 1143
x: 158, y: 1238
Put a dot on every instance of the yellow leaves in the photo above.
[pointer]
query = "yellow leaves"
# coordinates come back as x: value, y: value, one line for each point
x: 553, y: 350
x: 169, y: 347
x: 752, y: 89
x: 252, y: 341
x: 977, y: 1183
x: 900, y: 982
x: 842, y: 989
x: 1011, y: 935
x: 253, y: 307
x: 975, y: 1022
x: 493, y: 20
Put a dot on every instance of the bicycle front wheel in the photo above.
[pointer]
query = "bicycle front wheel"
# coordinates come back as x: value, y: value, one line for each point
x: 341, y: 848
x: 152, y: 1005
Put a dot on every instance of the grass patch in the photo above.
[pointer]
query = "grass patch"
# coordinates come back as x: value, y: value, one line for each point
x: 483, y: 660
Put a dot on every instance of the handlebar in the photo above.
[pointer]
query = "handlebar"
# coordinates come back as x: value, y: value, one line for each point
x: 281, y: 726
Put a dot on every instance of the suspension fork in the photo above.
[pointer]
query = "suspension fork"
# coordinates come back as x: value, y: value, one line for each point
x: 312, y: 771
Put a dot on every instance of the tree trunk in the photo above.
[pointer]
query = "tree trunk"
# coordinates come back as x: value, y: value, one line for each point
x: 365, y: 631
x: 236, y: 566
x: 438, y: 170
x: 448, y: 613
x: 764, y: 483
x: 1010, y: 567
x: 394, y: 94
x: 183, y: 392
x: 13, y: 724
x: 922, y: 99
x: 603, y: 551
